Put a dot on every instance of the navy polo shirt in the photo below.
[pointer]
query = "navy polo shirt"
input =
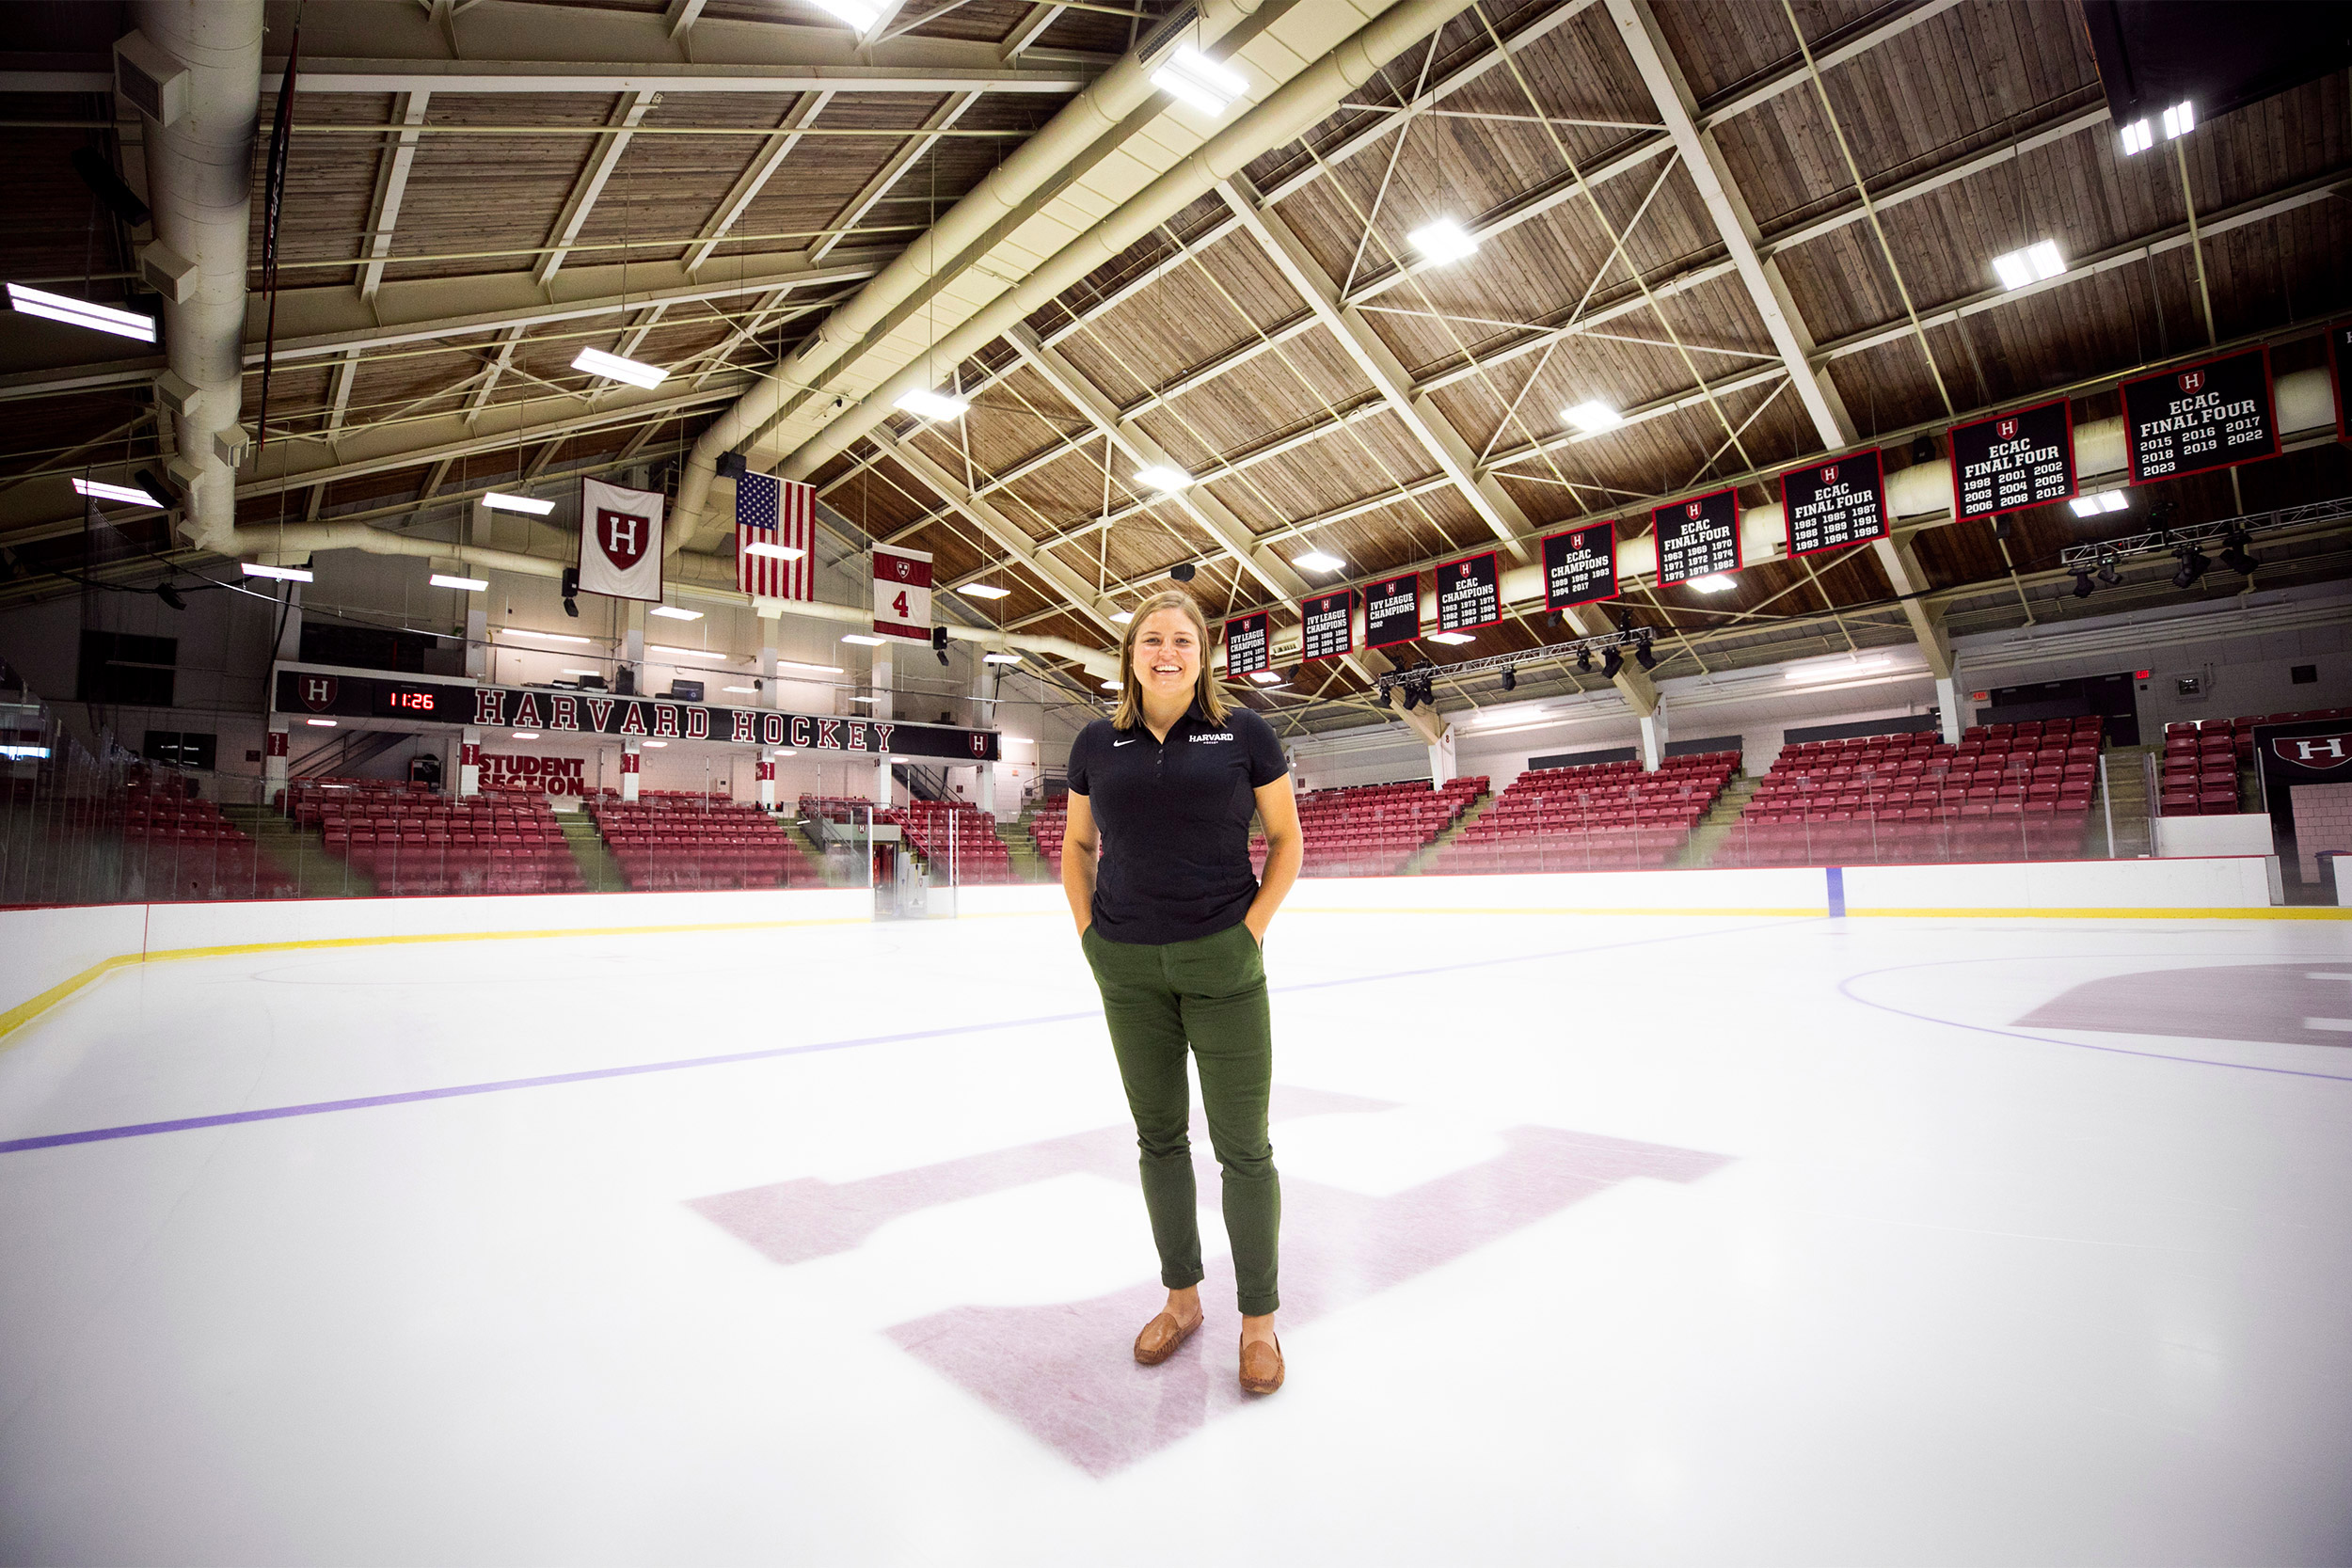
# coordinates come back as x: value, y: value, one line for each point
x: 1174, y: 817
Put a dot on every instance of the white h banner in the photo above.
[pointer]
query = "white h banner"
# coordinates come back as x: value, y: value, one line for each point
x: 903, y: 593
x: 620, y: 541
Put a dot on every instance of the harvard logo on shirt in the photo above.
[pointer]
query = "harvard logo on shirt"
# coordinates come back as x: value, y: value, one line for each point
x: 1221, y: 735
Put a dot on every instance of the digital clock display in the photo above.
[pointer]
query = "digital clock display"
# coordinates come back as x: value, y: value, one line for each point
x: 415, y: 702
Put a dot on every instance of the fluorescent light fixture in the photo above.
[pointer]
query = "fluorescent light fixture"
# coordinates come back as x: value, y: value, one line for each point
x: 80, y: 312
x: 983, y: 591
x: 742, y: 690
x: 2032, y: 264
x: 654, y: 745
x: 1191, y: 77
x: 23, y: 753
x: 99, y: 490
x: 1000, y: 659
x: 812, y: 668
x: 855, y: 698
x: 774, y: 552
x: 1443, y: 241
x: 2137, y: 138
x: 1268, y: 677
x: 1452, y: 636
x: 545, y: 636
x: 526, y: 735
x: 858, y: 638
x: 1122, y: 617
x: 1110, y: 686
x: 280, y: 573
x: 2179, y: 121
x: 1162, y: 478
x: 861, y: 17
x: 499, y: 501
x: 472, y: 585
x: 321, y: 723
x: 721, y: 655
x: 1836, y: 670
x: 1316, y: 561
x: 614, y: 368
x: 2105, y: 501
x: 1714, y: 582
x: 580, y: 672
x: 671, y: 613
x: 1591, y: 418
x: 932, y: 406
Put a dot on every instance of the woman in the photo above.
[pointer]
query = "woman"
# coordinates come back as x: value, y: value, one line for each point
x: 1175, y: 929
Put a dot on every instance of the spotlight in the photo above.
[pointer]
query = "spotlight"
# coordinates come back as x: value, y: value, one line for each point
x: 2082, y: 582
x: 1584, y: 661
x: 2233, y: 554
x: 1510, y: 679
x: 1923, y: 449
x: 1182, y: 571
x: 170, y: 595
x: 571, y: 588
x: 2108, y: 576
x: 1380, y: 695
x: 1642, y: 657
x: 1610, y: 662
x: 2193, y: 566
x: 1409, y: 695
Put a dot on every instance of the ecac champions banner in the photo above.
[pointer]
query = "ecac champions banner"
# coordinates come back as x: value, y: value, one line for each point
x: 620, y: 541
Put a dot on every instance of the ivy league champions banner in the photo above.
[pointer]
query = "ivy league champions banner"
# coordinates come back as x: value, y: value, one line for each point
x: 620, y: 541
x: 903, y: 593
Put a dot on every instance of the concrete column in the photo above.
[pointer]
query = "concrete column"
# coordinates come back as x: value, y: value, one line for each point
x: 1442, y: 769
x: 885, y: 675
x: 1654, y: 738
x: 468, y: 763
x: 275, y: 744
x: 884, y: 795
x: 633, y: 647
x: 289, y: 637
x: 633, y: 759
x: 767, y: 775
x: 478, y: 636
x: 1949, y: 694
x: 986, y: 792
x: 767, y: 625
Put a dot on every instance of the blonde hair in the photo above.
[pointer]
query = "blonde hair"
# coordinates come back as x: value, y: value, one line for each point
x: 1212, y: 698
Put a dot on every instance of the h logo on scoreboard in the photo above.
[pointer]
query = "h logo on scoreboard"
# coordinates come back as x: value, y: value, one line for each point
x: 2192, y: 380
x: 621, y: 537
x: 2008, y: 430
x: 2315, y: 750
x: 318, y: 692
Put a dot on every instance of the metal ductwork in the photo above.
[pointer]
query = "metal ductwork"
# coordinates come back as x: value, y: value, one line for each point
x: 194, y: 69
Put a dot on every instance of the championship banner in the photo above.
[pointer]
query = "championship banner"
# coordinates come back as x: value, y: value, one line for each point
x: 2013, y: 461
x: 1828, y: 506
x: 2340, y: 371
x: 774, y: 517
x: 1581, y: 566
x: 903, y: 593
x: 2213, y: 414
x: 1469, y: 593
x: 1249, y: 644
x: 1697, y: 538
x: 1327, y: 627
x: 620, y: 541
x: 1392, y: 611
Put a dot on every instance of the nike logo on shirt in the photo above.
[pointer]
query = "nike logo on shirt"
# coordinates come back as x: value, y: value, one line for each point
x: 1115, y: 744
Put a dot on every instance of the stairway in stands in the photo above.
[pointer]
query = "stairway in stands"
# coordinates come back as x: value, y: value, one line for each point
x: 300, y: 853
x: 1027, y: 864
x: 1717, y: 825
x: 598, y: 871
x: 1426, y: 856
x: 2127, y: 791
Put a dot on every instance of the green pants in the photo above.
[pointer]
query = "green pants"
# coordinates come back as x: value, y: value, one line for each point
x: 1208, y: 995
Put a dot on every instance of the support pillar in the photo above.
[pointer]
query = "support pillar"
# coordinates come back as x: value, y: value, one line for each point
x: 885, y: 675
x: 1654, y: 738
x: 633, y: 650
x: 767, y: 775
x: 882, y: 782
x: 468, y: 763
x: 1442, y: 767
x: 769, y: 622
x: 1948, y: 696
x: 987, y: 801
x: 275, y: 747
x: 632, y: 760
x: 478, y: 637
x: 290, y: 635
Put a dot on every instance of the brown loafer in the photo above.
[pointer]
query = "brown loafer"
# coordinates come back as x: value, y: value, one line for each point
x: 1160, y: 1337
x: 1262, y: 1367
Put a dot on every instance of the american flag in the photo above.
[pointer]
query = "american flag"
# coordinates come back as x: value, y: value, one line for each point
x: 771, y: 513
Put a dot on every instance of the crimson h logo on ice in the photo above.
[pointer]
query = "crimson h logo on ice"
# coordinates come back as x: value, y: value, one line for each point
x: 318, y: 692
x: 2314, y: 751
x: 2192, y: 380
x: 621, y: 537
x: 2008, y: 430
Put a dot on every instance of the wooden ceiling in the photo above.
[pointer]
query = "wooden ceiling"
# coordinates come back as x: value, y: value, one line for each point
x: 1978, y: 127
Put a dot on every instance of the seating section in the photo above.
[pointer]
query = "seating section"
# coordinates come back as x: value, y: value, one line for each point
x: 955, y: 835
x: 412, y: 842
x: 1047, y: 827
x: 2201, y: 760
x: 693, y: 842
x: 2006, y: 792
x: 1600, y: 817
x: 1373, y: 830
x: 175, y: 849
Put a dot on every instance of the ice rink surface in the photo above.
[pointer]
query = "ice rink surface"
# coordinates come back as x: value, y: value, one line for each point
x: 1642, y: 1239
